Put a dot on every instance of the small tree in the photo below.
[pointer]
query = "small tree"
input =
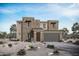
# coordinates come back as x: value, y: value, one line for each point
x: 3, y: 35
x: 13, y: 31
x: 75, y: 29
x: 65, y: 33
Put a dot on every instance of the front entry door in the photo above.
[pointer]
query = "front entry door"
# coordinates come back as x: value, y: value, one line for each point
x: 38, y: 36
x: 29, y: 37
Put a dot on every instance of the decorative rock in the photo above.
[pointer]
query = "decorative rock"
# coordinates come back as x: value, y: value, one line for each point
x: 50, y: 54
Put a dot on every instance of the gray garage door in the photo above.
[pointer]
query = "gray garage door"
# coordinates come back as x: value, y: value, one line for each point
x: 49, y: 37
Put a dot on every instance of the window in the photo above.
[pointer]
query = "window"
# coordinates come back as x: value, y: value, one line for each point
x: 28, y: 23
x: 44, y: 25
x: 53, y: 24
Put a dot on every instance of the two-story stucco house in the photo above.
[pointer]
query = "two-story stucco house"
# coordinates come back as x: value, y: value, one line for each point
x: 31, y: 29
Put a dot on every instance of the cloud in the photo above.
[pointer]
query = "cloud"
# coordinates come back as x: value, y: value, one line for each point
x: 67, y: 9
x: 67, y: 13
x: 6, y: 10
x: 70, y: 12
x: 50, y: 11
x: 15, y: 10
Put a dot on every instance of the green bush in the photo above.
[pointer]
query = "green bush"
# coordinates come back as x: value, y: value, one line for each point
x: 14, y: 40
x: 32, y: 47
x: 10, y: 45
x: 1, y: 42
x: 21, y: 52
x: 50, y: 46
x: 55, y: 51
x: 44, y: 43
x: 60, y: 41
x: 17, y: 40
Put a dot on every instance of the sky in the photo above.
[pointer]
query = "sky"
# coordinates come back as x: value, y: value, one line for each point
x: 66, y: 13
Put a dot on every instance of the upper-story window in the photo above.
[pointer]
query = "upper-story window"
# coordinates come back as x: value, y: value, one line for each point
x: 28, y: 23
x: 53, y: 24
x: 44, y: 25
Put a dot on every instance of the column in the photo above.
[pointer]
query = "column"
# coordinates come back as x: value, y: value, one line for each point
x: 34, y: 36
x: 61, y: 36
x: 41, y: 36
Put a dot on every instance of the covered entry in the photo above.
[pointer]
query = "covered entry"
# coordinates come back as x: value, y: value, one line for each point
x: 37, y: 36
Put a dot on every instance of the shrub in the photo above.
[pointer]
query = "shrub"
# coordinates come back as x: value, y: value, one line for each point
x: 55, y: 51
x: 21, y: 52
x: 1, y: 42
x: 15, y: 40
x: 60, y: 41
x: 44, y: 43
x: 10, y: 45
x: 50, y: 46
x: 32, y: 47
x: 77, y: 43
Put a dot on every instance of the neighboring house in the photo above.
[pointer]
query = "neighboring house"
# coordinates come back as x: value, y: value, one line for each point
x: 31, y: 29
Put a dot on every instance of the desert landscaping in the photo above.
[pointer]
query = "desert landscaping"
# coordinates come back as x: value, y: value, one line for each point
x: 13, y: 48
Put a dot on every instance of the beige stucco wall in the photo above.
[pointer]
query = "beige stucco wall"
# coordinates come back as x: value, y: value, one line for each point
x: 18, y: 30
x: 42, y: 24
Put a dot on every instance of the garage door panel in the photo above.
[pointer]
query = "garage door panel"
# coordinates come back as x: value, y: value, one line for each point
x: 51, y: 37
